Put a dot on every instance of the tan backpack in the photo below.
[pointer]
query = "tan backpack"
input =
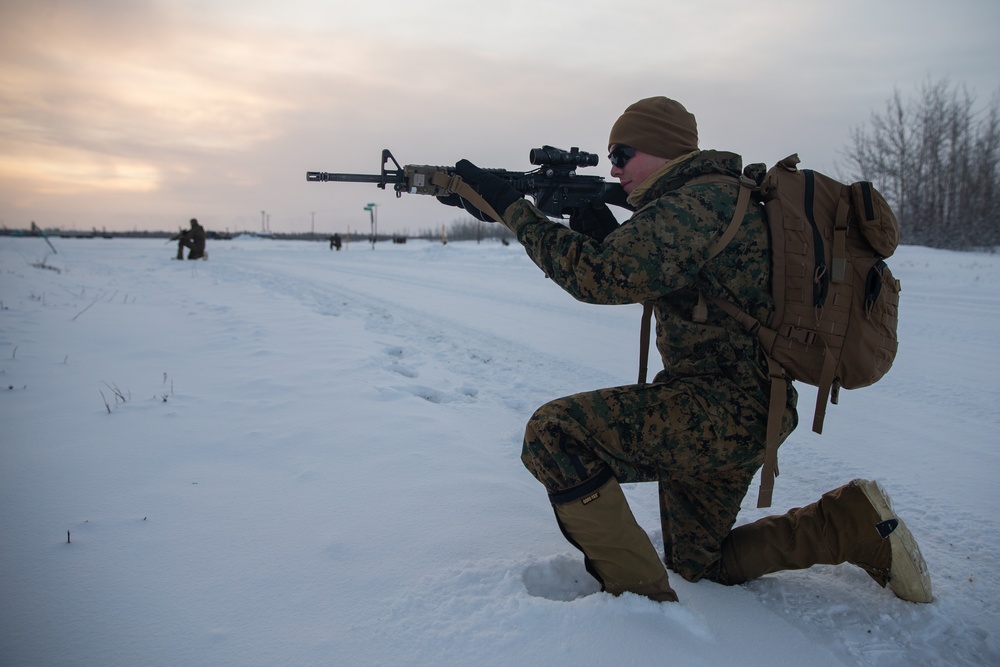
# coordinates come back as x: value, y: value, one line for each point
x: 836, y: 302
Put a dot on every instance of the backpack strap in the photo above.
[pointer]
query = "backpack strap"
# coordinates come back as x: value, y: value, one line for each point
x: 826, y: 390
x: 775, y: 411
x: 779, y: 381
x: 647, y: 316
x: 779, y: 388
x: 776, y: 374
x: 777, y: 401
x: 742, y: 204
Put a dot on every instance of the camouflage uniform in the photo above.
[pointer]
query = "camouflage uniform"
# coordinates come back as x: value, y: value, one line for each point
x: 194, y: 239
x: 699, y: 428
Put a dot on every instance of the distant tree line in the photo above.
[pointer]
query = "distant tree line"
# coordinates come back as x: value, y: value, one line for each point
x: 469, y: 229
x: 936, y: 158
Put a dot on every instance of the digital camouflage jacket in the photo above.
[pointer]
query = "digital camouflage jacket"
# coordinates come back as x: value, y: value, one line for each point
x: 661, y: 254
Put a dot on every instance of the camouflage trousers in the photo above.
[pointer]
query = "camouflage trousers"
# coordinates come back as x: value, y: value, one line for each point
x: 685, y: 435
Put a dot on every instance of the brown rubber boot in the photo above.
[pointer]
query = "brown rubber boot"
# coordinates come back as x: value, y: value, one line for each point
x: 617, y: 550
x: 909, y: 577
x: 853, y: 524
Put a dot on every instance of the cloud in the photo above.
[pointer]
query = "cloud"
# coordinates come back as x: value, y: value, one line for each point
x: 120, y: 110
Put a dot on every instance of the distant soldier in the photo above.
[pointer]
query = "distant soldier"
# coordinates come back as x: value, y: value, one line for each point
x: 335, y: 242
x: 193, y: 238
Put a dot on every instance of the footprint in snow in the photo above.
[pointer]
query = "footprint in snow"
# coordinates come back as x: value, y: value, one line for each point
x: 561, y: 578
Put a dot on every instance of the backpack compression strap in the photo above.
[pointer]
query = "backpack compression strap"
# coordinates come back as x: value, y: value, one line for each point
x: 776, y: 405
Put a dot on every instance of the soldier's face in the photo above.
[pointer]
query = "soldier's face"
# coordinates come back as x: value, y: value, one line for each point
x: 638, y: 168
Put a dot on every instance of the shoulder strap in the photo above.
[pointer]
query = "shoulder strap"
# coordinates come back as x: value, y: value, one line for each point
x: 742, y: 204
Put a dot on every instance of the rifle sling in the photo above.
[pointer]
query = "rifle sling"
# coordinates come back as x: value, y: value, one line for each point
x: 455, y: 184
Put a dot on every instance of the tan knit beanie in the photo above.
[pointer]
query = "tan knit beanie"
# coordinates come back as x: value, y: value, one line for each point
x: 658, y: 126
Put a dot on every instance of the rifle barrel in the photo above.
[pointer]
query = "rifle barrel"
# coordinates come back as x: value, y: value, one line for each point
x: 348, y: 178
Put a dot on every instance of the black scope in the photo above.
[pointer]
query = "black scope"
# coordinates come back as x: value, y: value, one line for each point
x: 557, y: 157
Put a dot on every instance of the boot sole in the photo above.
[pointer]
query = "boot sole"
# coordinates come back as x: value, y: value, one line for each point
x: 909, y: 578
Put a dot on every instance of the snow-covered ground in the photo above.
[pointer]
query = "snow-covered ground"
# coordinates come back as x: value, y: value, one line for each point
x: 291, y: 456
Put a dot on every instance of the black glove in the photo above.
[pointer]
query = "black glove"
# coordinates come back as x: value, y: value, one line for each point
x: 595, y: 220
x: 497, y: 192
x: 458, y: 202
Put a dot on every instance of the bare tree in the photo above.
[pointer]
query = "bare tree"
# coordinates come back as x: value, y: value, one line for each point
x: 470, y: 229
x: 937, y: 161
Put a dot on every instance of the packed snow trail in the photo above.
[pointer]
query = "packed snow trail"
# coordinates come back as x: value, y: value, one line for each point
x: 316, y: 461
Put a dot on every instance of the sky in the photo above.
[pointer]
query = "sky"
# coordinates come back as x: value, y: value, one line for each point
x: 140, y: 114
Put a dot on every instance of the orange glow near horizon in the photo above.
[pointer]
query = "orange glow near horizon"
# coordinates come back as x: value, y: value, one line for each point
x: 144, y: 108
x: 65, y: 172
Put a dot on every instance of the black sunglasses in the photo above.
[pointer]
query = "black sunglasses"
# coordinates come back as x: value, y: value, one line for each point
x: 621, y: 155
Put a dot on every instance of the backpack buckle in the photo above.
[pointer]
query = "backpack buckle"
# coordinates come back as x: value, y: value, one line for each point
x: 804, y: 336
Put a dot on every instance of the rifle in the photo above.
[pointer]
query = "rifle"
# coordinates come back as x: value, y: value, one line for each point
x: 555, y: 186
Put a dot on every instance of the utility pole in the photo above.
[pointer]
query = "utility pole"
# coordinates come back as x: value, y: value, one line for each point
x: 313, y: 228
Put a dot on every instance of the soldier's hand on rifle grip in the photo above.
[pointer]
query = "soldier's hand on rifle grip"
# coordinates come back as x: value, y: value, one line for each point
x: 615, y: 195
x: 594, y: 220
